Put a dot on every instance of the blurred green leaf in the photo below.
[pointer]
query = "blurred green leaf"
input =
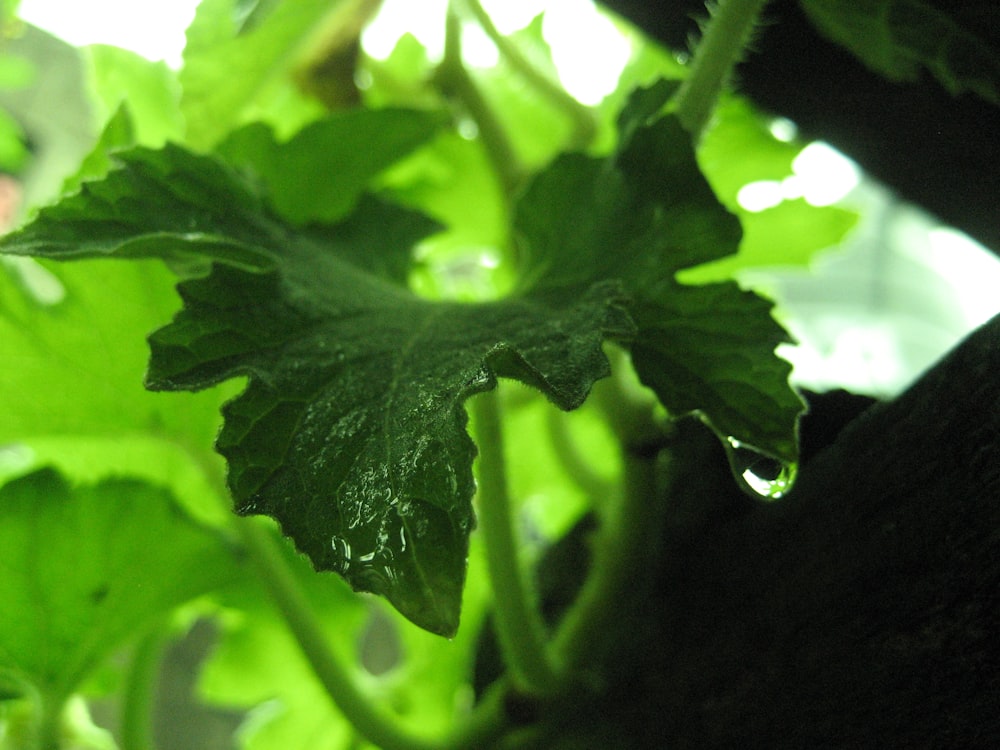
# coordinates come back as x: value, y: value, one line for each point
x: 13, y: 151
x: 72, y: 392
x: 150, y: 90
x: 234, y: 74
x: 739, y: 149
x: 256, y: 664
x: 537, y: 129
x: 452, y: 181
x: 85, y: 568
x: 118, y: 132
x: 16, y: 72
x: 790, y: 234
x: 74, y: 363
x: 898, y: 38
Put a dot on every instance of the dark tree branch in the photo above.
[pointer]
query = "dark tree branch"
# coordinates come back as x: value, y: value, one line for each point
x: 863, y: 610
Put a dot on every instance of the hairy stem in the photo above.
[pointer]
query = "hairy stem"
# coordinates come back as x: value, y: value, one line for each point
x: 726, y: 37
x: 368, y: 719
x: 584, y: 121
x: 140, y: 688
x: 518, y: 622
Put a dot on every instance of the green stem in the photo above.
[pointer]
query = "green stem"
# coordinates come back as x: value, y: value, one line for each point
x: 620, y: 568
x: 368, y: 719
x: 453, y: 79
x: 629, y: 534
x: 593, y: 485
x: 519, y: 625
x: 50, y: 727
x: 726, y: 37
x: 584, y: 121
x: 486, y: 724
x: 140, y: 687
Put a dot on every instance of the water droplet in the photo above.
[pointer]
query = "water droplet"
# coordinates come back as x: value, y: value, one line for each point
x: 758, y: 473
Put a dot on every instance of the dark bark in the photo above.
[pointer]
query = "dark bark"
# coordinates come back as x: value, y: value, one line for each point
x: 863, y: 610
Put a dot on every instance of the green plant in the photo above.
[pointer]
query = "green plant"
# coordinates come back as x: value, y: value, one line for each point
x: 331, y: 262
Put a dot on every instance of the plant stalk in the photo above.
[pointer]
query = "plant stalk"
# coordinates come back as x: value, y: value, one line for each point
x: 368, y: 719
x: 519, y: 625
x: 140, y: 688
x: 584, y: 121
x: 620, y: 570
x: 726, y: 37
x: 573, y: 461
x: 453, y: 79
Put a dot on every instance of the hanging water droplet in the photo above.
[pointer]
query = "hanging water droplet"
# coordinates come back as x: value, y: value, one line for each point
x: 772, y: 486
x: 760, y: 474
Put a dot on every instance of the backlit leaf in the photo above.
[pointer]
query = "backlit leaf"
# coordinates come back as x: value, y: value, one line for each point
x: 85, y: 568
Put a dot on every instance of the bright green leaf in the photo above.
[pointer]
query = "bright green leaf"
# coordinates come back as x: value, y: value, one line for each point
x: 150, y: 90
x: 71, y: 388
x: 119, y: 132
x: 899, y: 37
x: 739, y: 148
x: 451, y: 180
x: 537, y: 129
x: 234, y: 74
x: 74, y: 362
x: 13, y: 152
x: 85, y: 568
x: 790, y: 234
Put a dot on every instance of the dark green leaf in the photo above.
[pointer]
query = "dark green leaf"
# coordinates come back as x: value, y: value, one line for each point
x: 640, y: 216
x: 351, y: 431
x: 899, y: 37
x: 84, y: 568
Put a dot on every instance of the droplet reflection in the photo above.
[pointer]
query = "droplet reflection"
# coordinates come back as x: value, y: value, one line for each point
x: 760, y: 474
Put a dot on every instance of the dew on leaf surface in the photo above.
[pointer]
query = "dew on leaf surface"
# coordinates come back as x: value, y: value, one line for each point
x: 343, y: 550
